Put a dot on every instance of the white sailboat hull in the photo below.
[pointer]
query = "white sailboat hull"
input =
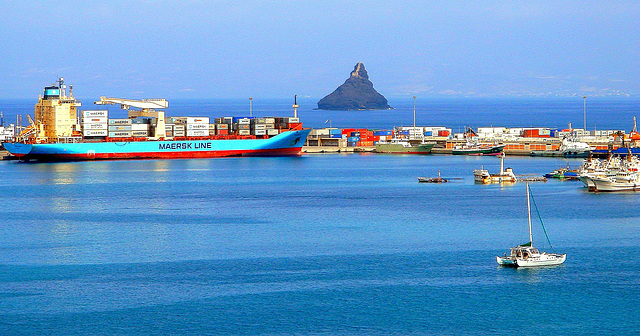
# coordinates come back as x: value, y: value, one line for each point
x: 542, y: 260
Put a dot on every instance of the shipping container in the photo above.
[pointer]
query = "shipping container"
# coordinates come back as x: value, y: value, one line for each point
x: 120, y: 134
x: 179, y: 127
x: 139, y: 127
x: 119, y: 128
x: 101, y: 133
x: 204, y: 132
x: 444, y: 133
x: 244, y: 132
x: 94, y: 113
x: 353, y: 139
x: 179, y: 133
x: 244, y: 121
x: 259, y: 126
x: 94, y: 126
x: 197, y: 127
x: 143, y: 120
x: 197, y: 120
x: 293, y: 120
x: 94, y: 120
x: 273, y: 132
x: 119, y: 121
x: 140, y: 133
x: 244, y: 127
x: 222, y: 126
x: 269, y: 120
x: 222, y: 132
x: 260, y: 132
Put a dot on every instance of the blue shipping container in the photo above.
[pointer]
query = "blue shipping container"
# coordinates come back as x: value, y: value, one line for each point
x: 353, y: 139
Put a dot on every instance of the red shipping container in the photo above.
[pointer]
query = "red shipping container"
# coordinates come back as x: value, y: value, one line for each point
x: 443, y: 133
x: 348, y: 131
x: 222, y: 132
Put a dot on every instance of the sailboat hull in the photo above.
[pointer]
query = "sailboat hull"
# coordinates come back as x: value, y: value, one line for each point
x: 542, y: 260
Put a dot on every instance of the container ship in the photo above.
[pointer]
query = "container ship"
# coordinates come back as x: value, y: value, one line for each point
x: 57, y: 134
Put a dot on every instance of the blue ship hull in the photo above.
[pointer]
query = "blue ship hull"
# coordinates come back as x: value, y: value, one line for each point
x: 285, y: 144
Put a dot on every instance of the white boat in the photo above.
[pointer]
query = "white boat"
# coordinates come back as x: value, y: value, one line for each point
x: 613, y: 174
x: 504, y: 176
x: 526, y: 255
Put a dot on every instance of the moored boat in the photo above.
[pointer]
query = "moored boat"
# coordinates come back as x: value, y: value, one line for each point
x: 398, y: 146
x: 472, y: 147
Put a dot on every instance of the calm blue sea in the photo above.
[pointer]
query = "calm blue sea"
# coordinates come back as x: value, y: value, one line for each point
x: 326, y: 244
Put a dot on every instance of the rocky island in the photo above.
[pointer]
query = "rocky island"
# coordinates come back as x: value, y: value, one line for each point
x: 357, y: 93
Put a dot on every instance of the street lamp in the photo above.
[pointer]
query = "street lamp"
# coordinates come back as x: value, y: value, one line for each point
x: 585, y: 113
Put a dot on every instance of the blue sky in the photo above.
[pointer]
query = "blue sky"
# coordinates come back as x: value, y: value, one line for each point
x: 274, y: 49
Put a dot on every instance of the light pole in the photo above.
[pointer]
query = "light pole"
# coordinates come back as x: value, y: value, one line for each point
x: 414, y: 118
x: 584, y: 112
x: 250, y: 107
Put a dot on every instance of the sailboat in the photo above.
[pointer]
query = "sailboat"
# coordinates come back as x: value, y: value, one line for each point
x: 526, y: 255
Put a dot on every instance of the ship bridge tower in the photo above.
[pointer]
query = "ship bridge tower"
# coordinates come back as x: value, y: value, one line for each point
x: 56, y: 114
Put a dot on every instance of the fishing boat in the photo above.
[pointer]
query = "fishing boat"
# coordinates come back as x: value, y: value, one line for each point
x: 473, y: 147
x: 526, y: 255
x: 504, y: 176
x: 613, y: 174
x: 438, y: 179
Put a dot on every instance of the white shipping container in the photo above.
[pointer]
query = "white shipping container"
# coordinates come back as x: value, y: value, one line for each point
x: 244, y: 121
x: 272, y: 132
x: 269, y: 120
x: 140, y: 133
x: 179, y: 127
x: 119, y: 122
x: 94, y: 113
x: 259, y: 127
x: 204, y: 132
x: 94, y: 120
x: 178, y: 133
x: 197, y: 126
x: 140, y: 127
x: 244, y: 132
x: 260, y: 132
x: 95, y: 132
x: 322, y: 131
x: 294, y: 120
x: 123, y: 134
x: 119, y: 128
x: 94, y: 126
x: 197, y: 120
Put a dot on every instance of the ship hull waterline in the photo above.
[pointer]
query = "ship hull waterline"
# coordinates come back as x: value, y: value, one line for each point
x: 285, y: 144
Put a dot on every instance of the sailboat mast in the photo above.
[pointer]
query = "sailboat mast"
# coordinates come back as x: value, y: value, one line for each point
x: 529, y: 215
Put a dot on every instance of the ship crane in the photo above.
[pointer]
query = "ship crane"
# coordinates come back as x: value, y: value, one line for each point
x: 146, y: 108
